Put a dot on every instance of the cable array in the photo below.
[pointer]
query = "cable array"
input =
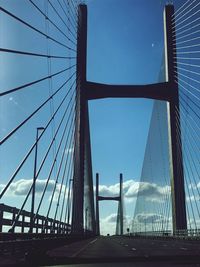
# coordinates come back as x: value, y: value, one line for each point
x: 153, y: 205
x: 186, y: 28
x: 153, y: 211
x: 41, y: 98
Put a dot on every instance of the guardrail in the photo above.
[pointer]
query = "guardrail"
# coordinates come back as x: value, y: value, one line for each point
x: 41, y: 223
x: 187, y: 234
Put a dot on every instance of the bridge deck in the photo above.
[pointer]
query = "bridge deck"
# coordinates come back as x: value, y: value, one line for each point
x: 124, y: 249
x: 110, y: 251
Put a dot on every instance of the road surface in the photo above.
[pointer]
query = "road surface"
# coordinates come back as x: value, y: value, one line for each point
x: 127, y: 251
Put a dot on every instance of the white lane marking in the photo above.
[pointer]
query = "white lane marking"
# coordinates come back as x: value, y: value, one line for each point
x: 134, y: 249
x: 126, y: 245
x: 184, y: 248
x: 83, y: 248
x: 93, y: 241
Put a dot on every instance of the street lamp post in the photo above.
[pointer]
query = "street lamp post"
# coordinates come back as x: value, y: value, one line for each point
x: 34, y: 180
x: 68, y: 202
x: 86, y: 219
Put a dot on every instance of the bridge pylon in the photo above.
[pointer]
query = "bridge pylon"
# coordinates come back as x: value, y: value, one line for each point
x: 165, y: 91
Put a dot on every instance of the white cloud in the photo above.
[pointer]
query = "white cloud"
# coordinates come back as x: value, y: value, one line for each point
x: 194, y: 186
x: 107, y: 228
x: 12, y: 100
x: 112, y: 218
x: 192, y: 198
x: 22, y: 186
x: 151, y: 221
x: 108, y: 224
x: 150, y: 191
x: 194, y: 223
x: 150, y: 218
x: 69, y: 150
x: 131, y: 189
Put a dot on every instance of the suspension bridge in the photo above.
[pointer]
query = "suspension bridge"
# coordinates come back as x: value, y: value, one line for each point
x: 50, y: 137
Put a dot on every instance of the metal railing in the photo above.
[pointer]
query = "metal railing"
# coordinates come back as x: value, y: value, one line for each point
x: 185, y: 234
x: 41, y: 225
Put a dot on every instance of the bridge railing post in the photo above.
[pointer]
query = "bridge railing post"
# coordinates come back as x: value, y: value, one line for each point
x: 14, y: 212
x: 37, y: 225
x: 174, y: 129
x: 23, y: 221
x: 43, y: 225
x: 1, y: 219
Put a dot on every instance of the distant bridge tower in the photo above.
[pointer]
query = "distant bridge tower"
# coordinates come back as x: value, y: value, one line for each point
x: 120, y: 213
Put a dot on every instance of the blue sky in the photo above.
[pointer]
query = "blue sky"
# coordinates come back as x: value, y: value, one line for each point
x: 125, y: 49
x: 125, y: 46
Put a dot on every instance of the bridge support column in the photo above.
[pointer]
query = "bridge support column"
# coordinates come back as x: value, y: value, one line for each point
x: 174, y: 129
x: 83, y: 197
x: 120, y: 213
x: 78, y: 180
x: 90, y: 223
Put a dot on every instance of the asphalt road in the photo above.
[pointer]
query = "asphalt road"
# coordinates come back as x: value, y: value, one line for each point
x: 127, y: 251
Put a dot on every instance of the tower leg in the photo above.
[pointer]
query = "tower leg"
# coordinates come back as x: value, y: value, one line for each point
x: 79, y: 153
x: 175, y: 146
x: 89, y: 191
